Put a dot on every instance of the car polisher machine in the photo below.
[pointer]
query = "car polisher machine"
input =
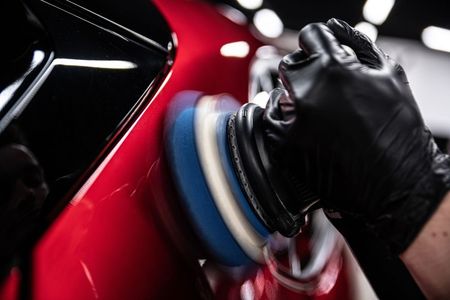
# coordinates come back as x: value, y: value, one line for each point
x: 233, y: 192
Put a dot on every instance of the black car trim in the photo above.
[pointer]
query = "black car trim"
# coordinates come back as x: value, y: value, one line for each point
x: 104, y: 23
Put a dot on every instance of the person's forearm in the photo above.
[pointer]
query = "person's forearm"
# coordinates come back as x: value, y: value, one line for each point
x: 428, y: 257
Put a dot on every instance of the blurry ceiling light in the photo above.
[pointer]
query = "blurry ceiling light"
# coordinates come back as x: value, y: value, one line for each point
x: 268, y: 23
x: 232, y: 14
x: 99, y: 64
x: 261, y: 99
x: 368, y: 29
x: 266, y: 52
x: 436, y: 38
x: 235, y: 49
x: 250, y: 4
x: 377, y: 11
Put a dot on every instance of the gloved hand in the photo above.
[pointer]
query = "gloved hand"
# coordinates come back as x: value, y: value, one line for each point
x: 350, y: 128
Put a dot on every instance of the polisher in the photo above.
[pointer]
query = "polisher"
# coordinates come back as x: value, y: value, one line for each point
x: 233, y: 191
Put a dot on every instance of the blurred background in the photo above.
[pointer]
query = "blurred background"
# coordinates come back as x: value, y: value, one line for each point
x: 415, y: 33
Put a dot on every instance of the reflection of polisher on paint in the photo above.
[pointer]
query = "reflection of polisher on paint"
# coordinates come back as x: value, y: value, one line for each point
x: 234, y: 195
x: 23, y: 191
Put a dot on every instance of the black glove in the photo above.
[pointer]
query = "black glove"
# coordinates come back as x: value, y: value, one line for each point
x: 351, y: 129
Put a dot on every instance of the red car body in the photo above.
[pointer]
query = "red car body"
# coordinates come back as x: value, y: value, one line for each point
x: 118, y: 238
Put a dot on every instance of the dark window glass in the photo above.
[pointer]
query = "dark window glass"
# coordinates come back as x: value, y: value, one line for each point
x: 139, y: 16
x: 56, y: 124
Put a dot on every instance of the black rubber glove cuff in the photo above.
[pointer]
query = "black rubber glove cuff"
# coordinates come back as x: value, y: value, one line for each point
x: 400, y: 227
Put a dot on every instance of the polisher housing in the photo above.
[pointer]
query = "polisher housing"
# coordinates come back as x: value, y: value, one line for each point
x: 280, y: 200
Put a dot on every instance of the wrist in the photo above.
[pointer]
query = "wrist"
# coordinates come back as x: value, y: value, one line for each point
x: 411, y: 210
x: 428, y: 256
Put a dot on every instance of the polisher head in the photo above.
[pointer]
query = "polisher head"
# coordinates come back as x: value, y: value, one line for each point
x: 232, y: 192
x: 201, y: 166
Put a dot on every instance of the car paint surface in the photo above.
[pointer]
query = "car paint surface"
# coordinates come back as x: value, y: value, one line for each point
x: 124, y: 235
x: 107, y: 244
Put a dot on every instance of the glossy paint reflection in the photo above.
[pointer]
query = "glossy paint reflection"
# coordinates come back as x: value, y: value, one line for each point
x: 66, y: 90
x: 23, y: 191
x: 37, y: 58
x: 121, y: 237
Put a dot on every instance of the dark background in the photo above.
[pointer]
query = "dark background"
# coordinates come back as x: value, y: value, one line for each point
x: 407, y: 19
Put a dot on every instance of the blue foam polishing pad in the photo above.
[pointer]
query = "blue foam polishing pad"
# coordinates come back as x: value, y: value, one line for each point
x: 189, y: 178
x: 227, y: 165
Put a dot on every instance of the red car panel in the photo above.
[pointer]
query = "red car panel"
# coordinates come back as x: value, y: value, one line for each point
x: 107, y: 244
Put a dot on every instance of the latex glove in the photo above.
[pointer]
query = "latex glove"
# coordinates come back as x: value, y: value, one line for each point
x: 350, y: 127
